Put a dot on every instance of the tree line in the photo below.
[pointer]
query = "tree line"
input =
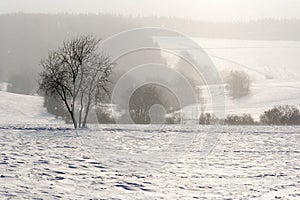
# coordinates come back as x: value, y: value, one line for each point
x: 282, y: 115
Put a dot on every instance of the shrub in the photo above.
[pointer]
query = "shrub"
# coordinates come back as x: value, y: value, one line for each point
x: 281, y: 115
x: 245, y: 119
x: 173, y: 118
x: 104, y: 117
x: 205, y: 118
x: 238, y: 84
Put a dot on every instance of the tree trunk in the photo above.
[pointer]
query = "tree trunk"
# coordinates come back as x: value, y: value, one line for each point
x: 81, y: 109
x: 87, y: 112
x: 74, y: 121
x: 71, y: 113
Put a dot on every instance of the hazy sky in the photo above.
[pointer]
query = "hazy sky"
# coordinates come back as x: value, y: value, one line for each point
x: 212, y: 10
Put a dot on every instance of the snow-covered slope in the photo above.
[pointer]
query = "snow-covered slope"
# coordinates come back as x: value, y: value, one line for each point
x: 264, y: 95
x: 276, y: 60
x: 274, y: 67
x: 23, y: 109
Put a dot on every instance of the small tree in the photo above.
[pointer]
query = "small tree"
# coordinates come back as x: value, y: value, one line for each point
x: 74, y: 74
x: 238, y: 84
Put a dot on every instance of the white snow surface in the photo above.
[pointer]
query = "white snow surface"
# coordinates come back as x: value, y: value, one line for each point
x: 126, y: 162
x: 24, y: 109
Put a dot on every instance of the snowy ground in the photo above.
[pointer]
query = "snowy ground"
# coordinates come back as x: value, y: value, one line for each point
x: 107, y: 162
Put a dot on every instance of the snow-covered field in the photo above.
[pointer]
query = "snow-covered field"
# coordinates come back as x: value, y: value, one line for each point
x: 113, y: 163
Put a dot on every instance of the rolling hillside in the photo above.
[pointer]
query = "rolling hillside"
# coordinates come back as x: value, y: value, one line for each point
x: 23, y: 109
x: 274, y: 68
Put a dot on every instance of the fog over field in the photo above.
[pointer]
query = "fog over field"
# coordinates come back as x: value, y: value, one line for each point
x: 123, y: 99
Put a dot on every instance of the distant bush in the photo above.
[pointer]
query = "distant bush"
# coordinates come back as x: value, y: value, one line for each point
x: 281, y: 115
x: 208, y: 119
x: 245, y: 119
x: 238, y: 84
x: 104, y: 115
x: 173, y: 118
x: 205, y: 118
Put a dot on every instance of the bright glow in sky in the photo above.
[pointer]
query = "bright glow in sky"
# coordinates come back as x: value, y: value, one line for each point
x: 211, y: 10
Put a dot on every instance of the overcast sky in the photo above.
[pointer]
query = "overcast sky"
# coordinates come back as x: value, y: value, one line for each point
x: 210, y: 10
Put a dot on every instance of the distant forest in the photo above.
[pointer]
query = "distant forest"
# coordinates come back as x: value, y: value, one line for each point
x: 26, y: 38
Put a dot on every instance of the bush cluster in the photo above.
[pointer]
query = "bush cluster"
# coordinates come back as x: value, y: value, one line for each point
x: 281, y: 115
x: 245, y: 119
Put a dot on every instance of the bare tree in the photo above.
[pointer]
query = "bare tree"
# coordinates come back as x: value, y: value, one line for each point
x: 74, y: 74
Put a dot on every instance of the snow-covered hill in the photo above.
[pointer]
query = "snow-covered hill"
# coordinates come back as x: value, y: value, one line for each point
x: 23, y: 109
x: 274, y: 67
